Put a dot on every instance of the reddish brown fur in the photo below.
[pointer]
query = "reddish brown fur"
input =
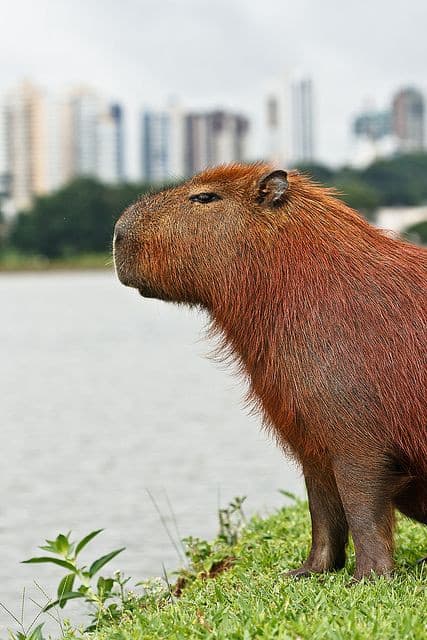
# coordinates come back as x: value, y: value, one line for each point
x: 326, y: 316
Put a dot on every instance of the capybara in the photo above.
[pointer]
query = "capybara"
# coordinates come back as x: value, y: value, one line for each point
x: 325, y: 315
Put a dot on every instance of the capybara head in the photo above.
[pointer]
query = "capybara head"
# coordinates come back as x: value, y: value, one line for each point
x: 187, y: 243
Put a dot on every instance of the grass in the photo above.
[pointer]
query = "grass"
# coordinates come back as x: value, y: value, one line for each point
x: 251, y: 599
x: 11, y: 261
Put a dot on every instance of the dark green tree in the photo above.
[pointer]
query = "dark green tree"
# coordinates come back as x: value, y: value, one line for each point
x: 418, y: 232
x: 401, y: 180
x: 78, y: 218
x: 358, y: 194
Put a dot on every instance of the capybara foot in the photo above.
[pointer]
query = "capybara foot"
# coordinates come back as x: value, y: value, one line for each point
x: 373, y: 571
x: 301, y: 572
x: 307, y: 570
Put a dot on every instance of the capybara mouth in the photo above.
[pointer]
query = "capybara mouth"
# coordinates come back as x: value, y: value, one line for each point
x: 147, y: 292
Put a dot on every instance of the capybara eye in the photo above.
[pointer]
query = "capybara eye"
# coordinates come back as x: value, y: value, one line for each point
x: 204, y: 198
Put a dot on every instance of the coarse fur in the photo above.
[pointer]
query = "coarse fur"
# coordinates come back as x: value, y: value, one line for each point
x: 326, y: 316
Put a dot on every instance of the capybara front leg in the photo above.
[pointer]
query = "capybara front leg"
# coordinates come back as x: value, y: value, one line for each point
x: 366, y: 493
x: 328, y: 525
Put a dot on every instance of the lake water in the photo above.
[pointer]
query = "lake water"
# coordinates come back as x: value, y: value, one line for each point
x: 104, y: 396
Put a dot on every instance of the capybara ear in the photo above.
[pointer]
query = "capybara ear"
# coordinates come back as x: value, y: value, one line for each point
x: 272, y: 188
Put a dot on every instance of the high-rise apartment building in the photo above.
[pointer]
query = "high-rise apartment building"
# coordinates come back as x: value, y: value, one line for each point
x: 274, y: 148
x: 289, y: 118
x: 5, y: 176
x: 83, y: 108
x: 24, y: 137
x: 408, y: 113
x: 215, y: 137
x: 302, y: 121
x: 155, y: 149
x: 94, y: 137
x: 229, y: 136
x: 116, y: 112
x: 176, y: 145
x: 109, y: 143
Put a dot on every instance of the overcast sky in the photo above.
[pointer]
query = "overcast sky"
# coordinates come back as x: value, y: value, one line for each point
x: 221, y: 53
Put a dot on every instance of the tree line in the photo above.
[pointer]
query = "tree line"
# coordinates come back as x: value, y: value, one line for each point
x: 79, y: 217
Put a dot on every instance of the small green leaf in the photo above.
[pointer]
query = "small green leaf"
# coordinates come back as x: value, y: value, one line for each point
x: 84, y: 541
x: 36, y: 633
x: 104, y: 588
x: 61, y: 563
x: 65, y: 597
x: 50, y: 546
x: 65, y: 586
x: 98, y: 564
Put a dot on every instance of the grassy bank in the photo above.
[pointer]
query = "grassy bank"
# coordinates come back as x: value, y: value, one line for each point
x: 238, y: 592
x: 13, y: 261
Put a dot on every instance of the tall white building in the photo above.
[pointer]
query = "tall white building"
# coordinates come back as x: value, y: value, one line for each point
x: 176, y: 133
x: 155, y: 160
x: 24, y: 153
x: 302, y: 121
x: 55, y: 130
x: 214, y: 137
x: 289, y: 119
x: 94, y: 140
x: 4, y: 153
x: 162, y: 144
x: 277, y: 120
x: 82, y: 135
x: 109, y: 152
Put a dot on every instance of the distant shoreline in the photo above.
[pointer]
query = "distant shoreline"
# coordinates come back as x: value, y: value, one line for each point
x: 28, y: 264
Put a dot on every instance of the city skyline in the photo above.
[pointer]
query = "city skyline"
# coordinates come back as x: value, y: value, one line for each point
x: 47, y: 139
x: 130, y: 50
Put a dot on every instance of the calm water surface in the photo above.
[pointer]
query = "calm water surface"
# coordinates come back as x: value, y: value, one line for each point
x: 104, y: 396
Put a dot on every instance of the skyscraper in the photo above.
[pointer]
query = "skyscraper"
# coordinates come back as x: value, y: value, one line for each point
x: 25, y: 152
x: 94, y: 137
x: 408, y: 113
x: 116, y: 112
x: 198, y: 143
x: 154, y: 146
x: 228, y: 136
x: 109, y: 145
x: 302, y: 121
x: 82, y: 135
x: 274, y: 149
x: 289, y: 117
x: 214, y: 137
x: 5, y: 176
